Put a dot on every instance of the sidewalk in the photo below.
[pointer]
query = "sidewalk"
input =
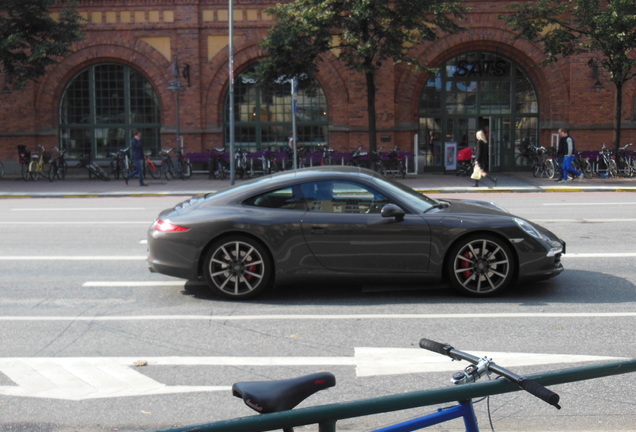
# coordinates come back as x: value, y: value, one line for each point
x: 199, y: 184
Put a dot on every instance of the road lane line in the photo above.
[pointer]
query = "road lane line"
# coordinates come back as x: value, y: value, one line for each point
x: 73, y: 258
x: 296, y: 317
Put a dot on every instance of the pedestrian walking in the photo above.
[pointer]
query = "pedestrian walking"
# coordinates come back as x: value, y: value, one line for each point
x: 565, y: 153
x: 137, y: 149
x: 482, y: 157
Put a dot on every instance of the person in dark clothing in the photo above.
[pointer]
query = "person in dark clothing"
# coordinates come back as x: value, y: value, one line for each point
x: 138, y: 155
x: 565, y: 153
x: 481, y: 154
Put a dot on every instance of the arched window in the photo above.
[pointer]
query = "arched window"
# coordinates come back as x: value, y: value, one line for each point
x: 263, y: 114
x: 102, y: 106
x: 472, y: 90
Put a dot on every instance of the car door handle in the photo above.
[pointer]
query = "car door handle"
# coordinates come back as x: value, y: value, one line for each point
x: 318, y: 230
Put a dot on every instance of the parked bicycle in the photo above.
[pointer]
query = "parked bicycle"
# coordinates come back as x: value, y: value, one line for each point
x: 39, y: 159
x: 395, y: 164
x: 166, y: 169
x: 625, y: 163
x: 151, y: 168
x: 241, y: 167
x: 1, y: 170
x: 609, y: 162
x: 94, y: 170
x: 183, y: 167
x: 542, y: 164
x: 120, y: 164
x: 217, y: 167
x: 356, y: 158
x: 58, y: 166
x: 327, y: 156
x: 583, y: 164
x: 24, y: 156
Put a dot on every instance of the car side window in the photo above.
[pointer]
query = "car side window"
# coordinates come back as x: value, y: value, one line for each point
x: 288, y: 198
x: 342, y: 197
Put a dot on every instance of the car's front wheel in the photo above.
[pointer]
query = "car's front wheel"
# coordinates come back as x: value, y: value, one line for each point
x: 481, y: 265
x: 238, y: 268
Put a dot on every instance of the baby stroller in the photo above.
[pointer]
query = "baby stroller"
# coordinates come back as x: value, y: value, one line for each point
x: 464, y: 162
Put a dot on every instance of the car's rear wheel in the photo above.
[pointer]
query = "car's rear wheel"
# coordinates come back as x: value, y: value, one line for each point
x: 481, y: 265
x: 238, y: 267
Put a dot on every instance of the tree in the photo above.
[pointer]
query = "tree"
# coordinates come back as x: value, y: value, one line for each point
x: 364, y: 32
x: 571, y: 27
x: 31, y: 39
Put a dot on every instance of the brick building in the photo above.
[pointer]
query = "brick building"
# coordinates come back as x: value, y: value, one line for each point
x: 119, y: 79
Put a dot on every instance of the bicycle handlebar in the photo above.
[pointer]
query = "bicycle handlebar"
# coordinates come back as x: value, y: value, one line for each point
x: 531, y: 386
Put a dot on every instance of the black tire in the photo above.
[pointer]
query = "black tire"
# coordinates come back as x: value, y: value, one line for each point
x: 238, y: 268
x: 52, y: 171
x: 481, y: 265
x: 62, y: 170
x: 24, y: 170
x: 154, y: 172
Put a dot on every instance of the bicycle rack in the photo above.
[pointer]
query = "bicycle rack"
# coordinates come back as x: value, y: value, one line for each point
x: 326, y: 416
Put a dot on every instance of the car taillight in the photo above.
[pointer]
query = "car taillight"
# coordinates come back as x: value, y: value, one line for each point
x: 164, y: 226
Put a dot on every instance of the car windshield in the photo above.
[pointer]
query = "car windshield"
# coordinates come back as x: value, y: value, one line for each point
x: 421, y: 202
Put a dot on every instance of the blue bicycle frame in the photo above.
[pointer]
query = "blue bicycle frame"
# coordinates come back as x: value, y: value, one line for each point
x: 464, y: 410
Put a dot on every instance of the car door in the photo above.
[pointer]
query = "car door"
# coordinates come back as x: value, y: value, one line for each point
x: 346, y: 232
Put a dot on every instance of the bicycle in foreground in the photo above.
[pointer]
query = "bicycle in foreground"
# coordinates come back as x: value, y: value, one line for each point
x: 282, y: 395
x: 276, y: 399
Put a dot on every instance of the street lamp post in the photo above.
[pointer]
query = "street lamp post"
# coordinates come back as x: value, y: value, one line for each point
x: 176, y: 86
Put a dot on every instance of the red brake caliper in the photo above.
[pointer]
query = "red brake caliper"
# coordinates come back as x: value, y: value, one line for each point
x: 466, y: 264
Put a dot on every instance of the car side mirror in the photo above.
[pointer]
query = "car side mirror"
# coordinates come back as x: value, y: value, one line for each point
x: 392, y: 211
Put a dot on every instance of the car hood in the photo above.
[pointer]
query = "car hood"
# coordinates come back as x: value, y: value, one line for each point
x: 474, y: 206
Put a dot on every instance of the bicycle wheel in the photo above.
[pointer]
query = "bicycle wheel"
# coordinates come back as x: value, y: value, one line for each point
x: 152, y: 169
x: 24, y: 171
x: 536, y: 169
x: 100, y: 173
x: 34, y: 173
x: 52, y: 171
x: 187, y: 169
x: 550, y: 169
x: 62, y: 170
x: 586, y: 169
x: 612, y: 169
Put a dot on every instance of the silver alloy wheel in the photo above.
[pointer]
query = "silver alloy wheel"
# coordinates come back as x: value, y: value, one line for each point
x: 481, y: 266
x: 238, y: 268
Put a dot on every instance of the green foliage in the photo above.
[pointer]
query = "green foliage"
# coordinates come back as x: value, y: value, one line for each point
x: 31, y: 40
x: 571, y: 27
x: 365, y: 32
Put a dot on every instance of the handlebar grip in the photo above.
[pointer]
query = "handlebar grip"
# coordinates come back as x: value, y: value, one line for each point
x: 437, y: 347
x: 541, y: 392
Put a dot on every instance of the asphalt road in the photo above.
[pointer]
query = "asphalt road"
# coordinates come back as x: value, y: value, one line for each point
x: 78, y: 308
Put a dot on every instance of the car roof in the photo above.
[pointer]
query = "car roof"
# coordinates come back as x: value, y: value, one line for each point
x: 271, y: 181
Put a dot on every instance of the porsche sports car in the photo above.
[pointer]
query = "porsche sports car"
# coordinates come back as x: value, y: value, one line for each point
x: 346, y: 222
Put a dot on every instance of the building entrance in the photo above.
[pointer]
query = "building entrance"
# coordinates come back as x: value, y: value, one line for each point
x: 471, y: 90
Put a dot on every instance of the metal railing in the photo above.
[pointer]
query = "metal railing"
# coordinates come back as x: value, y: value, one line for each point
x: 326, y: 416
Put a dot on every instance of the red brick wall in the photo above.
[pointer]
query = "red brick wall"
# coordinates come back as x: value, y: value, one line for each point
x: 116, y: 28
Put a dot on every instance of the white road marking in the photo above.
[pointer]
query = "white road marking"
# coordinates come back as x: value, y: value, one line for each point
x: 81, y: 378
x: 73, y: 258
x: 584, y: 204
x: 103, y: 284
x: 75, y: 209
x: 146, y: 222
x: 453, y: 316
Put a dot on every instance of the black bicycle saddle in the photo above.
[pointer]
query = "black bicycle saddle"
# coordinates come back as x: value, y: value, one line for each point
x: 281, y: 395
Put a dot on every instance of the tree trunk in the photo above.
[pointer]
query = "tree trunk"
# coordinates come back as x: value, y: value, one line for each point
x: 370, y: 77
x: 618, y: 108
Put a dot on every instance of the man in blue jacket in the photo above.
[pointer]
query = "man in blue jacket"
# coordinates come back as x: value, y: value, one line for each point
x: 565, y: 150
x: 138, y: 156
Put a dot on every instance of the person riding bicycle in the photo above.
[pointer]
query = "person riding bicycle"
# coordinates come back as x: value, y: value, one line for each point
x: 565, y: 153
x: 138, y: 155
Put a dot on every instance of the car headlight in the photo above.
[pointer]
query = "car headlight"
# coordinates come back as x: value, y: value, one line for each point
x: 556, y: 246
x: 527, y: 227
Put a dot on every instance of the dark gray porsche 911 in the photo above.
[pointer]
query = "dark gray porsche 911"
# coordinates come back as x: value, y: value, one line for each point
x: 346, y: 222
